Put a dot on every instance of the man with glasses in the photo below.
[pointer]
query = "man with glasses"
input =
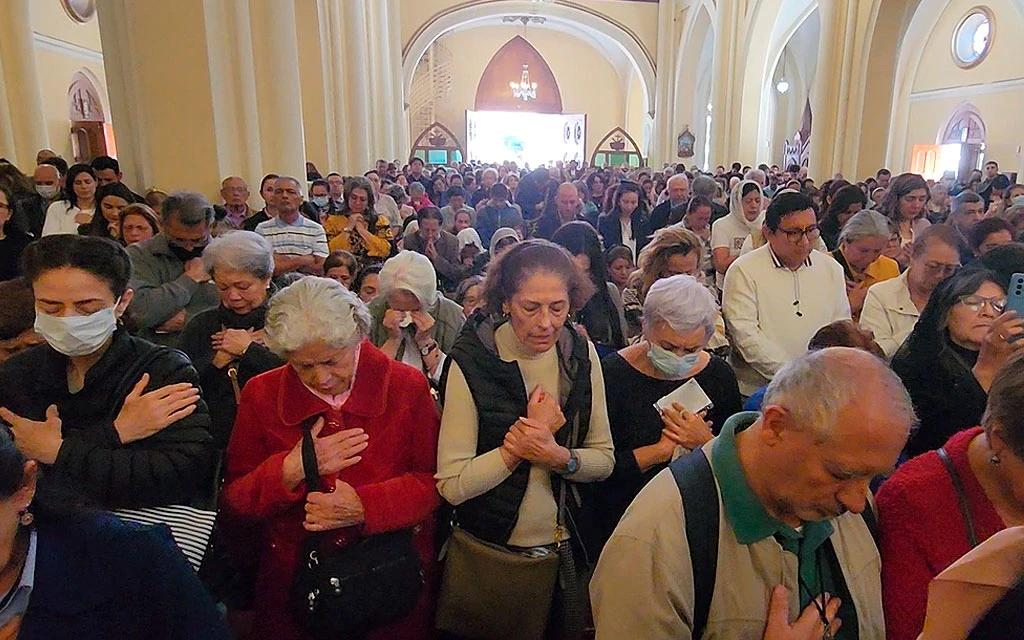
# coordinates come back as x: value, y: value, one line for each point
x: 170, y: 282
x: 777, y: 296
x: 235, y: 192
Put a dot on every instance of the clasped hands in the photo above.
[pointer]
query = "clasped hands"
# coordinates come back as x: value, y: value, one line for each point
x: 230, y: 344
x: 342, y: 506
x: 533, y: 438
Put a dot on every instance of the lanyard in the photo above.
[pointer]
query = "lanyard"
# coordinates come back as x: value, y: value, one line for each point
x: 819, y: 602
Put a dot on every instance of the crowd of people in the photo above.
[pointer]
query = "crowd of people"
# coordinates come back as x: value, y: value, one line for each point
x: 484, y: 401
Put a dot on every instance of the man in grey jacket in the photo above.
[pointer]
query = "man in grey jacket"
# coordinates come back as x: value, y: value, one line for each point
x: 441, y: 247
x: 170, y: 282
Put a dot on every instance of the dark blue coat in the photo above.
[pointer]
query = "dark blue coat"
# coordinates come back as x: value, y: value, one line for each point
x: 100, y: 578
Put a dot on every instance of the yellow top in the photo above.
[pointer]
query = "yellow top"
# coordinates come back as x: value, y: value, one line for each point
x: 373, y: 246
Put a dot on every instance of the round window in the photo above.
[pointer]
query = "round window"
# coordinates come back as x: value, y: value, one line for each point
x: 972, y: 38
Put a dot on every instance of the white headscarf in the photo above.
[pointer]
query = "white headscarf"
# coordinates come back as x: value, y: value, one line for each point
x: 736, y: 206
x: 501, y: 234
x: 469, y: 236
x: 412, y: 272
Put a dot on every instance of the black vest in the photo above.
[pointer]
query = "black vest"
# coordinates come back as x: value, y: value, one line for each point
x: 501, y: 398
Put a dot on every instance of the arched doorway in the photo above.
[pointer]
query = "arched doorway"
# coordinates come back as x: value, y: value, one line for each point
x: 518, y: 59
x: 91, y: 133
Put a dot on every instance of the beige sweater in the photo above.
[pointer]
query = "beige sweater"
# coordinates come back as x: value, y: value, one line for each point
x: 463, y: 475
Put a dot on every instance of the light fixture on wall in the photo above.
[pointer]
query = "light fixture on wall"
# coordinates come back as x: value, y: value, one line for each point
x: 783, y: 84
x: 524, y: 89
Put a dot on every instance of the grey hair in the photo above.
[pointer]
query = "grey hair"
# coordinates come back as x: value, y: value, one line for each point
x: 964, y: 197
x: 245, y: 251
x: 757, y: 176
x: 676, y: 177
x: 416, y: 187
x: 704, y: 186
x: 191, y: 208
x: 817, y: 386
x: 297, y: 315
x: 865, y: 224
x: 682, y: 303
x: 490, y: 171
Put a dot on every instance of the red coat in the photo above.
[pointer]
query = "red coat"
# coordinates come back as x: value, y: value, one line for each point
x: 923, y: 531
x: 395, y: 478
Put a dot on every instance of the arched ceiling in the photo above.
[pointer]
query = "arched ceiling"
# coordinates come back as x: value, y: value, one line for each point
x: 617, y: 43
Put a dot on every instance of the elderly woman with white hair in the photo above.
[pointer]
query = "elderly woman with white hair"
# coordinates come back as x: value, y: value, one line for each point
x: 225, y: 344
x: 861, y: 242
x: 412, y: 322
x: 373, y: 427
x: 678, y: 322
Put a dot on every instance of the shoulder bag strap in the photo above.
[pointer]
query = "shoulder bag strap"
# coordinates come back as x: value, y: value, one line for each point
x: 309, y: 465
x: 699, y: 493
x: 961, y: 495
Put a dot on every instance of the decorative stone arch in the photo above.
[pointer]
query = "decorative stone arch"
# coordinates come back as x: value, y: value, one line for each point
x: 581, y: 18
x: 964, y: 126
x: 617, y: 148
x: 85, y: 101
x: 493, y: 92
x: 437, y: 145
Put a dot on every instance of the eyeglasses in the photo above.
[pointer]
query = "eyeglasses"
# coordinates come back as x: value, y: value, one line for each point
x: 976, y: 303
x: 795, y: 235
x: 945, y: 269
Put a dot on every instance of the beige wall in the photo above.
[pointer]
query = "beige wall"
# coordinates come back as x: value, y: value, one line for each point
x: 940, y: 86
x: 587, y: 81
x: 78, y: 48
x: 937, y: 69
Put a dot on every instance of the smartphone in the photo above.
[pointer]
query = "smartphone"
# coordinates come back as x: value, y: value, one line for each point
x: 1015, y: 296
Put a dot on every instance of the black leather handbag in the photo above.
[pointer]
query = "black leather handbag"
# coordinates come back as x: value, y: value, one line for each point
x: 345, y: 592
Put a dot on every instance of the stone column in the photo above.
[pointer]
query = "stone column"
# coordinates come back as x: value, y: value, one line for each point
x: 727, y: 83
x: 275, y: 52
x: 838, y: 91
x: 22, y: 126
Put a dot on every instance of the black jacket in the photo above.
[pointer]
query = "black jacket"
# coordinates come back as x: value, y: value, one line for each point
x: 501, y: 397
x: 610, y: 229
x: 941, y: 383
x: 172, y: 466
x: 216, y: 383
x: 98, y: 578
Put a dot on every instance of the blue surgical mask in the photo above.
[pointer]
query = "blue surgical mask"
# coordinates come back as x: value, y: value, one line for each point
x: 672, y: 365
x: 321, y: 201
x: 1017, y: 201
x: 77, y: 335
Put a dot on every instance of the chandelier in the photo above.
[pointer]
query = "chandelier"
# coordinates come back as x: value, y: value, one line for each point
x: 524, y: 89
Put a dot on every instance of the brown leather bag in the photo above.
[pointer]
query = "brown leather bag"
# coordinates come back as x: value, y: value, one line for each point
x: 493, y: 593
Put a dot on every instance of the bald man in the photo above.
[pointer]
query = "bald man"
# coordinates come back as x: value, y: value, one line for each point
x: 235, y: 192
x: 788, y: 489
x: 30, y: 213
x: 568, y: 208
x: 678, y: 188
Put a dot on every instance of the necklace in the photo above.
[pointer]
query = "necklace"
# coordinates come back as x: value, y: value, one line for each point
x: 819, y: 602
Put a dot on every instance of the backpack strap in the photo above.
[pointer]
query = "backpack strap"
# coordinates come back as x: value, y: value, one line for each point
x: 699, y: 494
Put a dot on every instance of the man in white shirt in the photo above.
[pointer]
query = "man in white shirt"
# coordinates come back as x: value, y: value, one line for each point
x: 776, y: 297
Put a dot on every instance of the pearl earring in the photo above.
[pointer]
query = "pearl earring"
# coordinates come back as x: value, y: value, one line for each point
x: 995, y: 459
x: 25, y: 518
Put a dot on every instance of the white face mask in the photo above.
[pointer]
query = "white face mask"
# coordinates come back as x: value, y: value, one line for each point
x: 320, y: 201
x: 46, y: 190
x: 77, y: 335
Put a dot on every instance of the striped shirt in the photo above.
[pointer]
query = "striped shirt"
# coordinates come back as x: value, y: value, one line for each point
x: 301, y: 238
